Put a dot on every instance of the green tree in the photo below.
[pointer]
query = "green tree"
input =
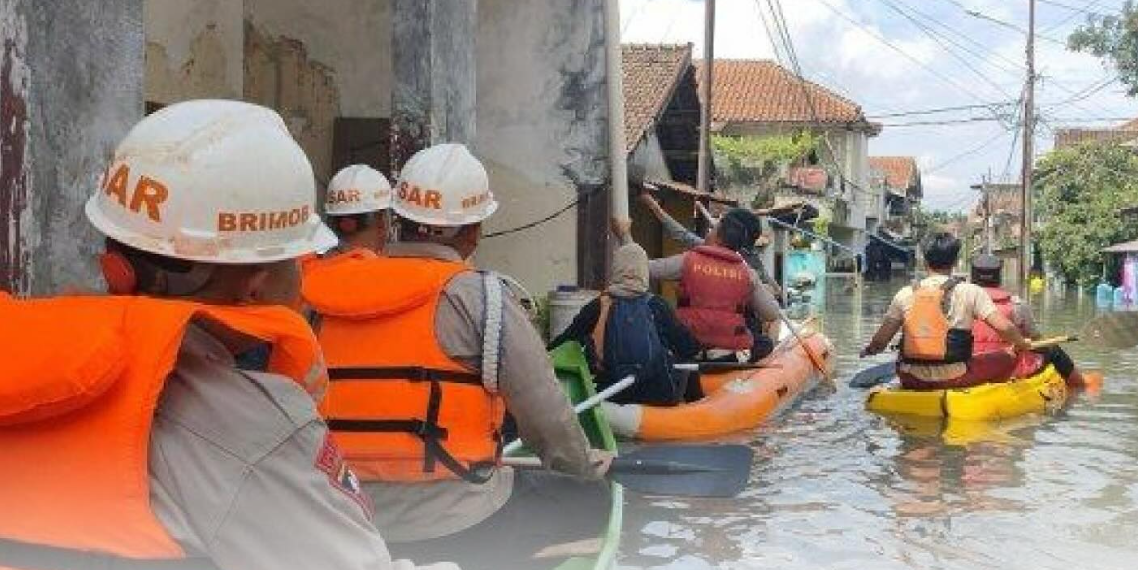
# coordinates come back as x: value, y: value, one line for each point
x: 1079, y: 192
x: 1115, y: 38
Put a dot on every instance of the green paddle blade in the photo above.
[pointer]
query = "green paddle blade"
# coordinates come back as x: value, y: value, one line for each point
x: 685, y: 470
x: 1113, y: 330
x: 874, y: 375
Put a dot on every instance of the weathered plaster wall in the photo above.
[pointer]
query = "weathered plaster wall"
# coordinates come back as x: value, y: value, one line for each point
x: 541, y: 128
x: 314, y: 61
x: 194, y: 49
x: 72, y: 87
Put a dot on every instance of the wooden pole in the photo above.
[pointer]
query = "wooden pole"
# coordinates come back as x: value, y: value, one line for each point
x: 1028, y: 154
x: 703, y: 180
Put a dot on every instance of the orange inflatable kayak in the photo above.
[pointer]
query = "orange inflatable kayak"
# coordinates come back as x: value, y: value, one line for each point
x: 735, y: 400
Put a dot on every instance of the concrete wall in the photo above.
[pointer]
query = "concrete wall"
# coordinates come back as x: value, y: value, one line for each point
x: 314, y: 61
x: 194, y: 49
x: 70, y: 88
x: 541, y: 128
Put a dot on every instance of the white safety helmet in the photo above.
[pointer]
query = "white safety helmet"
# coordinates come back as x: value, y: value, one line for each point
x: 444, y: 185
x: 357, y: 189
x: 214, y: 181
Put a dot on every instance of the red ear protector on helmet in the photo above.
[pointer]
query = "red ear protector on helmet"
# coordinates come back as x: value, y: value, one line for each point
x: 118, y: 273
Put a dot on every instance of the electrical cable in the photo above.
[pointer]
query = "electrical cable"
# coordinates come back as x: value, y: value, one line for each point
x: 932, y: 71
x: 1074, y: 14
x: 572, y: 204
x: 936, y: 37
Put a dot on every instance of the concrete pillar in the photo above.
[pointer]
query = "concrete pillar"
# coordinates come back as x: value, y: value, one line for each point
x: 70, y: 88
x: 434, y: 67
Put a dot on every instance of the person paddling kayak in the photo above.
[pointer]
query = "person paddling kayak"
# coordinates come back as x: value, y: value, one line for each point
x: 987, y: 272
x: 935, y: 316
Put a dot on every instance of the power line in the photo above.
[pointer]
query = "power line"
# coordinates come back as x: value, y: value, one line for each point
x: 994, y: 106
x: 1084, y: 10
x: 902, y: 52
x: 970, y: 151
x: 1074, y: 14
x: 936, y: 38
x: 982, y: 16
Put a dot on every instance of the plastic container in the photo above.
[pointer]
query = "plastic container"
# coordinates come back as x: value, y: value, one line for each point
x: 564, y: 304
x: 1104, y: 296
x: 1120, y: 299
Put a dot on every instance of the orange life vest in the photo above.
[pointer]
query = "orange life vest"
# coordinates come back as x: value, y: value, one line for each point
x: 927, y: 336
x: 715, y: 287
x: 398, y: 405
x: 77, y: 399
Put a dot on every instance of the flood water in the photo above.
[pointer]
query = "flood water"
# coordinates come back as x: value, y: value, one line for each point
x: 834, y: 486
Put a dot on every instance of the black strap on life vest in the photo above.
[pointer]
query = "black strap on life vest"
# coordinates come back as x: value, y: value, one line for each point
x: 427, y: 429
x: 18, y: 554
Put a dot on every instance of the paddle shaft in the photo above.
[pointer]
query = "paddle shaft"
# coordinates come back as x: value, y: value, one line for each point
x: 623, y: 465
x: 814, y: 359
x: 584, y: 406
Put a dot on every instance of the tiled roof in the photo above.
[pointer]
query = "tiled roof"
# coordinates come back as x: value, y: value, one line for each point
x: 1131, y: 125
x: 761, y: 91
x: 1070, y: 137
x: 650, y: 76
x: 900, y: 171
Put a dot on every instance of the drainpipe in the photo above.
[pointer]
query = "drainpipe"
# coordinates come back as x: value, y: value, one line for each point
x: 618, y: 155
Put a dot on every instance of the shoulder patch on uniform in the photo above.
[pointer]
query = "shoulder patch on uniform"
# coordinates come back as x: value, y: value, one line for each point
x: 331, y: 461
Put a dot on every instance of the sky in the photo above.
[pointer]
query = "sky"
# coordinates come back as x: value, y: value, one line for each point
x: 899, y: 56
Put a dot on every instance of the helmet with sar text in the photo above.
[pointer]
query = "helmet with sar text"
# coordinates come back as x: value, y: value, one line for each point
x: 357, y: 189
x: 444, y: 186
x: 211, y: 181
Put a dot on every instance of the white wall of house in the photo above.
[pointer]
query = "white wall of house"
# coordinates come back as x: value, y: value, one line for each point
x: 193, y: 49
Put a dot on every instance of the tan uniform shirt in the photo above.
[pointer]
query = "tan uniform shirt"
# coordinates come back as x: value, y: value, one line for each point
x: 969, y: 303
x: 241, y: 472
x: 420, y: 511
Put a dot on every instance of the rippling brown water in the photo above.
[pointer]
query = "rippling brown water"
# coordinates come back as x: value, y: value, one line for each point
x: 836, y: 487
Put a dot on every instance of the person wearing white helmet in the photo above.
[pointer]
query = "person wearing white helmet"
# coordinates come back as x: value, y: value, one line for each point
x: 129, y: 435
x: 356, y: 207
x: 423, y: 369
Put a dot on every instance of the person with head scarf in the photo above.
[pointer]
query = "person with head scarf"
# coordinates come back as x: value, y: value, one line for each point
x: 629, y: 330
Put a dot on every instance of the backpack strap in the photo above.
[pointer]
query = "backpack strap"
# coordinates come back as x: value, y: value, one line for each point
x: 600, y: 327
x: 948, y: 287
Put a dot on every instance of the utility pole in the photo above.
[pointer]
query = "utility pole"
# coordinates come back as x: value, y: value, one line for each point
x: 703, y: 180
x: 1028, y: 153
x: 987, y: 215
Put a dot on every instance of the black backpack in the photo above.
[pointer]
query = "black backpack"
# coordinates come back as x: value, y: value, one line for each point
x: 628, y: 343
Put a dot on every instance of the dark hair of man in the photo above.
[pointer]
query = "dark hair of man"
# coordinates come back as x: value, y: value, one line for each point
x: 349, y: 224
x: 941, y: 250
x: 738, y: 229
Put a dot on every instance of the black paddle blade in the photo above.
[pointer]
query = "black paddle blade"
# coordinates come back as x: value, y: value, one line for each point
x: 1113, y: 330
x: 874, y: 375
x: 685, y: 470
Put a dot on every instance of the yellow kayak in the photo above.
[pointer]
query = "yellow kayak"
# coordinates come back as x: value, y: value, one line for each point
x: 1043, y: 392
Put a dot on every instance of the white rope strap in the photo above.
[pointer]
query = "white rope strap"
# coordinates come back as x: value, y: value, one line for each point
x: 491, y: 330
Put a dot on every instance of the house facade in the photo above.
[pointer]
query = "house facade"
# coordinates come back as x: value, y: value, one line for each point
x: 759, y: 98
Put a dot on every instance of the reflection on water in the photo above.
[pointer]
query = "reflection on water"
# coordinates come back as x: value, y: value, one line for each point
x: 837, y: 487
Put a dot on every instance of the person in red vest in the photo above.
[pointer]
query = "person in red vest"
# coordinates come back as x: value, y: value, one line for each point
x: 717, y: 289
x: 130, y: 437
x: 987, y: 271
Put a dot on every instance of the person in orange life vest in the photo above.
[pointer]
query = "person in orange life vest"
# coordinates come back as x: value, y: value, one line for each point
x: 139, y: 441
x: 936, y: 315
x: 717, y: 288
x: 455, y: 354
x: 987, y: 272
